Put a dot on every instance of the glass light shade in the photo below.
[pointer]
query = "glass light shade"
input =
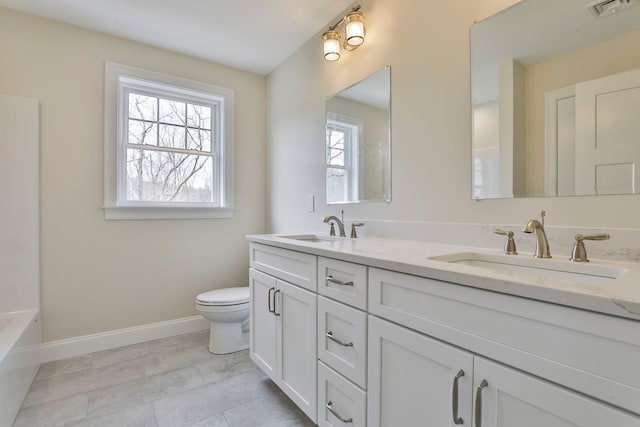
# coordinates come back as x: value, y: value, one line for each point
x: 331, y: 45
x: 354, y: 29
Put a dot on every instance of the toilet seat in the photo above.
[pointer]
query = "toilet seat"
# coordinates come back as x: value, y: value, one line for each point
x: 224, y: 297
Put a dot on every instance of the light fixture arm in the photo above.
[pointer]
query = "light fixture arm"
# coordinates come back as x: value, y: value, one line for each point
x: 353, y: 9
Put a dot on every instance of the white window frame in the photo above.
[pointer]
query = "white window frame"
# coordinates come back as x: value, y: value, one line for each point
x: 119, y: 80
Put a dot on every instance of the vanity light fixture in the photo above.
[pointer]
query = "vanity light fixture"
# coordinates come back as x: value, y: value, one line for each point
x: 331, y: 45
x: 354, y: 29
x: 353, y: 26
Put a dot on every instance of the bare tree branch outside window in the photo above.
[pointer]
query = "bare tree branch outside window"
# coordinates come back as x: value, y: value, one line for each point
x: 170, y: 156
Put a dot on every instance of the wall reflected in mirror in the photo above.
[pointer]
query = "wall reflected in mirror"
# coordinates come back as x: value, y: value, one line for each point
x: 556, y: 100
x: 358, y: 141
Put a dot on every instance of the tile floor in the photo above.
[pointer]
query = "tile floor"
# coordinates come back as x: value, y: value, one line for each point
x: 172, y: 382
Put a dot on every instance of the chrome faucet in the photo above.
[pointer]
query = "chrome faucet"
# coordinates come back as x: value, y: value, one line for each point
x: 542, y: 244
x: 328, y: 219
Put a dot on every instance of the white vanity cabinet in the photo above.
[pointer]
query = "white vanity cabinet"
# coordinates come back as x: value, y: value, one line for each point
x: 283, y: 325
x: 383, y: 348
x: 554, y: 360
x: 413, y: 378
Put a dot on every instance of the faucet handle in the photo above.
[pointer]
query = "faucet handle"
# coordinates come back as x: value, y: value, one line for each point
x: 593, y: 237
x: 502, y: 232
x: 510, y: 245
x: 579, y: 253
x: 354, y: 235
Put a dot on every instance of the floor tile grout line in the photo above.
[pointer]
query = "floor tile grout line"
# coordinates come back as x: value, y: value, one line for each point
x: 203, y: 383
x: 201, y: 370
x: 91, y: 390
x: 91, y: 356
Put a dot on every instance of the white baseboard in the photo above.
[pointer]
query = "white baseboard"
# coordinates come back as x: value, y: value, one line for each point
x: 61, y: 349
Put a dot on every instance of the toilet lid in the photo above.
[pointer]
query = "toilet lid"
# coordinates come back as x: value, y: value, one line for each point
x: 226, y: 296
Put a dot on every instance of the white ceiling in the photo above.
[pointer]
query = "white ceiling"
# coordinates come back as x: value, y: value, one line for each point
x: 247, y: 34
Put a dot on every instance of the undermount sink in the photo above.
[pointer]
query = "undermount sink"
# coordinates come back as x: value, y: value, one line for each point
x: 529, y: 267
x: 314, y: 238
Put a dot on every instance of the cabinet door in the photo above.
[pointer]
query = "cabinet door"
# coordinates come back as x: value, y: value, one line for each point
x: 262, y: 331
x: 411, y: 379
x: 297, y: 355
x: 505, y: 397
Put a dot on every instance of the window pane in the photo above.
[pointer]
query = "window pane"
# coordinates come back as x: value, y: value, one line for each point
x: 198, y: 139
x: 335, y: 150
x: 169, y: 177
x: 143, y: 107
x: 172, y: 136
x: 142, y: 132
x: 336, y: 185
x: 198, y: 116
x: 172, y: 112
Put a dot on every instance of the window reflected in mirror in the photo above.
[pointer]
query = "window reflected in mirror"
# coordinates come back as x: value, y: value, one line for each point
x: 358, y: 142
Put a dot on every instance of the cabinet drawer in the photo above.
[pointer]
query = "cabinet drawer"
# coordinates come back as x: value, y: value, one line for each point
x: 346, y: 351
x: 343, y: 281
x: 346, y: 400
x: 593, y: 353
x: 294, y: 267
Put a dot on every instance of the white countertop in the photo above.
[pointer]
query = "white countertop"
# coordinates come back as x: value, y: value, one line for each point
x: 619, y: 297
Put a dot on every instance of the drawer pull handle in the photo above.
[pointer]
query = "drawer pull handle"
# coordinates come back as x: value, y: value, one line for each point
x: 274, y: 302
x: 330, y: 279
x: 454, y: 398
x: 336, y: 340
x: 482, y: 385
x: 330, y: 409
x: 271, y: 310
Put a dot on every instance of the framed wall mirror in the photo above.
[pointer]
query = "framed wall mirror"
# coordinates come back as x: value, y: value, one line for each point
x: 555, y: 93
x: 358, y: 141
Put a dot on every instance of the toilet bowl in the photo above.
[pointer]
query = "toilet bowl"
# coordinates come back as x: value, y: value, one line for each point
x: 228, y: 313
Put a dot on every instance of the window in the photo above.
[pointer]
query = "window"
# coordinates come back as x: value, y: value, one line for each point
x: 342, y: 158
x: 167, y: 146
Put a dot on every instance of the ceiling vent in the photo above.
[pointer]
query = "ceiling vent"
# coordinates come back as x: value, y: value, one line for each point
x: 600, y: 9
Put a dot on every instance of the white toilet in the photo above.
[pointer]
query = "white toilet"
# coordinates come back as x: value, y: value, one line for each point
x: 228, y: 311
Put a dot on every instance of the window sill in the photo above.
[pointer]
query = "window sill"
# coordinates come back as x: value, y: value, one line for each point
x: 160, y: 212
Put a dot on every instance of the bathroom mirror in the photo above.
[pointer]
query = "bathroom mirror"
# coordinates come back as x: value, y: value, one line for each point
x: 358, y: 141
x: 555, y: 93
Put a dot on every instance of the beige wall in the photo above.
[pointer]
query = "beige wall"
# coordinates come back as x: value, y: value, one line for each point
x: 427, y: 46
x: 600, y: 60
x: 102, y: 275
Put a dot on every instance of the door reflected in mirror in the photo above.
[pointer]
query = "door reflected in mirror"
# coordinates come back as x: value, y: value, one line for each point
x: 556, y: 100
x: 358, y: 142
